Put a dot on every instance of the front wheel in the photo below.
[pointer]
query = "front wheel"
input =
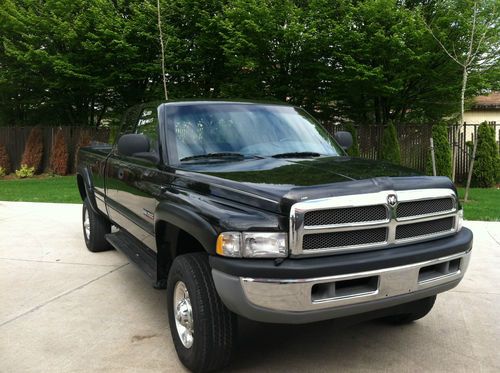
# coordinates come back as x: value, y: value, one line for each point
x: 202, y: 328
x: 95, y: 228
x: 419, y: 309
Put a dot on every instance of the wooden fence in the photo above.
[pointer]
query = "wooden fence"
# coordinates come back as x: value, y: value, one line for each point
x: 413, y: 140
x: 14, y: 139
x: 414, y: 143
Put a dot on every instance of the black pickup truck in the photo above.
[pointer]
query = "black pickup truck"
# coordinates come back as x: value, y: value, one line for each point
x: 253, y: 209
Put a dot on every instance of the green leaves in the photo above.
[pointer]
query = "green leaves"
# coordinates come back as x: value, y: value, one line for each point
x: 79, y: 62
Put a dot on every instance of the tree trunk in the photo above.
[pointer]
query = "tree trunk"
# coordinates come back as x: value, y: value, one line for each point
x: 458, y: 129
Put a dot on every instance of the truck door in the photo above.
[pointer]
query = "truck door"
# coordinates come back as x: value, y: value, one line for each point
x: 133, y: 184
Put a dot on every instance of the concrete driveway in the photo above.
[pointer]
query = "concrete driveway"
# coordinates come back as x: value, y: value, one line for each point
x: 64, y: 309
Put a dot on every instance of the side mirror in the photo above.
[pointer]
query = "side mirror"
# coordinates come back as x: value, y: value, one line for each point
x: 344, y: 139
x: 133, y: 143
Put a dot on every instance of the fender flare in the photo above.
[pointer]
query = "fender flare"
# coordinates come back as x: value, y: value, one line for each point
x: 181, y: 217
x: 87, y: 184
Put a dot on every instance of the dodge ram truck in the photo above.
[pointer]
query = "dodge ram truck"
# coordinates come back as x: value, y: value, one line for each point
x: 255, y: 210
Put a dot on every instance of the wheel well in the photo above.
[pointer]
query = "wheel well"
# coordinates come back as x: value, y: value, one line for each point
x: 81, y: 187
x: 171, y: 242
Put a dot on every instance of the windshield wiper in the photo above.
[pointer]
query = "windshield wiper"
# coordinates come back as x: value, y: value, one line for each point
x: 296, y: 155
x: 214, y: 155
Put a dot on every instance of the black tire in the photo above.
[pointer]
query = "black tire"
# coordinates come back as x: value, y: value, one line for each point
x: 99, y: 226
x: 419, y: 308
x: 214, y: 326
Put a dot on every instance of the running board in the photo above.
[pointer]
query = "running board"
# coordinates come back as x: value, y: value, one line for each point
x: 140, y: 254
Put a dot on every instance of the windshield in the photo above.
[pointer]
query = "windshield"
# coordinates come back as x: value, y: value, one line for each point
x: 248, y: 130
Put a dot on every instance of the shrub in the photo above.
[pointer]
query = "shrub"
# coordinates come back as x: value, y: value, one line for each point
x: 59, y: 156
x: 33, y: 151
x: 25, y: 171
x: 487, y: 164
x: 84, y: 139
x: 2, y: 172
x: 390, y: 146
x: 442, y: 151
x: 353, y: 151
x: 4, y: 160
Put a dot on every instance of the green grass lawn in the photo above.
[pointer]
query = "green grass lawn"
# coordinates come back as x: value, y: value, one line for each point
x: 484, y: 204
x: 62, y: 189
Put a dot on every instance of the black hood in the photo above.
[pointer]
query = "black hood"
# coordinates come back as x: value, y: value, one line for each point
x: 286, y: 181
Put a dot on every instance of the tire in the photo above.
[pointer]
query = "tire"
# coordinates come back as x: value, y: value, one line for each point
x: 213, y: 326
x: 420, y: 309
x: 95, y: 227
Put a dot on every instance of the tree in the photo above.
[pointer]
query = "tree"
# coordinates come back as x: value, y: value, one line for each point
x: 486, y: 170
x: 4, y: 160
x: 69, y: 62
x: 442, y: 152
x: 59, y: 155
x: 353, y: 151
x: 33, y: 150
x: 476, y: 48
x: 390, y: 146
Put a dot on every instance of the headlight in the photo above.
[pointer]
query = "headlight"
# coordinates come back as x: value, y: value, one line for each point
x: 253, y: 244
x: 460, y: 219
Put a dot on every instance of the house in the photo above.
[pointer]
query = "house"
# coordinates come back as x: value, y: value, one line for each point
x: 484, y: 109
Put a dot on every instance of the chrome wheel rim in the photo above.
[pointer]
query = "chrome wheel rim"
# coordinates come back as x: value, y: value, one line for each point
x: 183, y: 314
x: 86, y: 223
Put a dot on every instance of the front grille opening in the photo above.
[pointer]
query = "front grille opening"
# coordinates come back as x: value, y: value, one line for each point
x: 343, y: 239
x: 425, y: 228
x: 418, y: 208
x: 345, y: 288
x: 436, y: 271
x: 346, y: 215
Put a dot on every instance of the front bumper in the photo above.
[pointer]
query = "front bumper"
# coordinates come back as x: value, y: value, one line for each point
x: 302, y: 300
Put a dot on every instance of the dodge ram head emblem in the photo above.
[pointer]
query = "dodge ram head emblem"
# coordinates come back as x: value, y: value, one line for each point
x: 392, y: 199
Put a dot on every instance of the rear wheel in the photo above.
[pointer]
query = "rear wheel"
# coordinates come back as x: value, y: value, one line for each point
x: 202, y: 328
x: 95, y: 227
x: 419, y: 309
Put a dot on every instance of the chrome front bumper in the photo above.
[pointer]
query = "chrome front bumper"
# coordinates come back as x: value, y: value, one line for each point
x: 312, y: 299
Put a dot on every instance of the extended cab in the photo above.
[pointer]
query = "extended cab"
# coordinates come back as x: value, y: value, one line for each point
x: 255, y: 210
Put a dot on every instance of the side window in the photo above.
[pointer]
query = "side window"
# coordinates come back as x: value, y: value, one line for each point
x: 148, y: 126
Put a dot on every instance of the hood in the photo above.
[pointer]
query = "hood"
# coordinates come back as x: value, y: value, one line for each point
x: 286, y: 181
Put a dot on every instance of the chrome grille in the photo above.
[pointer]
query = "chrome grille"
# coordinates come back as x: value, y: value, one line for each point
x: 368, y: 221
x: 424, y: 228
x: 344, y: 239
x: 346, y: 215
x: 427, y: 207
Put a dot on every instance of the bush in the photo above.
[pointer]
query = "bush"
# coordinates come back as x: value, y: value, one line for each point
x: 442, y: 151
x: 59, y: 156
x: 25, y: 171
x: 2, y: 172
x: 353, y: 151
x: 84, y: 139
x: 4, y: 160
x: 487, y: 164
x: 33, y: 151
x: 390, y: 145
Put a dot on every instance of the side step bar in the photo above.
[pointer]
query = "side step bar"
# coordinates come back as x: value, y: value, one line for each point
x: 136, y: 251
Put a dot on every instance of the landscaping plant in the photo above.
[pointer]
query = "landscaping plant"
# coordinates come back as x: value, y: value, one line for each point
x: 33, y: 150
x: 390, y: 146
x: 4, y: 160
x: 2, y: 172
x: 59, y: 156
x: 84, y: 139
x: 487, y: 163
x: 353, y: 151
x: 25, y: 171
x: 442, y: 152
